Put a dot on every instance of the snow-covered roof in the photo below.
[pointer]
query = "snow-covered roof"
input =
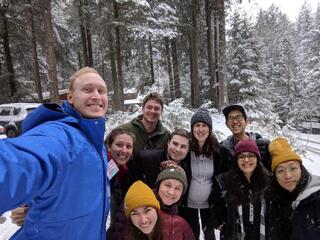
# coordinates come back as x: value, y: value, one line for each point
x: 25, y: 105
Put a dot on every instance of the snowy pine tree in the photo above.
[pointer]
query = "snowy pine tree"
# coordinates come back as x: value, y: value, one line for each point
x: 246, y: 79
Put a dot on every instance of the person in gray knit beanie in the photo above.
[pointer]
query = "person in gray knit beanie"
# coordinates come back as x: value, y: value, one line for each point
x: 202, y: 115
x: 170, y: 170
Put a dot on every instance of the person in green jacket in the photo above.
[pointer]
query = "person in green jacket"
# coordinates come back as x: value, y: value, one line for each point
x: 148, y: 129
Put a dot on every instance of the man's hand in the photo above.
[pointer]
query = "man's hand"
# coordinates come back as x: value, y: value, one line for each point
x: 18, y: 215
x: 2, y: 219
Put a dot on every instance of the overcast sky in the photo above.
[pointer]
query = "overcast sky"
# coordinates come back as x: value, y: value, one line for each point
x: 290, y: 7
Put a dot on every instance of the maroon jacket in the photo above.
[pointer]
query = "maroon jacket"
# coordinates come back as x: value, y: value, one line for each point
x: 175, y: 227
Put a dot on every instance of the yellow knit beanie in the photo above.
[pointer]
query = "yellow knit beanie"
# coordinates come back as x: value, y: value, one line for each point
x: 281, y: 151
x: 139, y: 195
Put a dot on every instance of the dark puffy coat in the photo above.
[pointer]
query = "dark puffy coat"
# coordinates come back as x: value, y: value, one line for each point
x: 229, y: 144
x: 156, y: 140
x: 225, y: 208
x: 295, y: 215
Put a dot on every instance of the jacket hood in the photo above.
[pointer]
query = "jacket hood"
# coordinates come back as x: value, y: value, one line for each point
x: 312, y: 187
x: 66, y: 113
x: 44, y: 113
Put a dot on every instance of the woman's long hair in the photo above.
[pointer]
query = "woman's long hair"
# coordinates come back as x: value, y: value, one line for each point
x: 210, y: 147
x: 236, y: 184
x: 135, y: 234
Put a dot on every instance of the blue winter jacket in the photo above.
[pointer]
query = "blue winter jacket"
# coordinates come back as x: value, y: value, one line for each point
x: 57, y: 167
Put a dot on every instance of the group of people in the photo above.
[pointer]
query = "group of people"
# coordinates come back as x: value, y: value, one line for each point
x: 64, y: 179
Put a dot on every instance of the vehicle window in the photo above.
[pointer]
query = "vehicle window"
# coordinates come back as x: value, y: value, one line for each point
x: 5, y: 111
x: 16, y: 111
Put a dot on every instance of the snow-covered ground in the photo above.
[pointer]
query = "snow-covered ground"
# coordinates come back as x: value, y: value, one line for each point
x: 310, y: 145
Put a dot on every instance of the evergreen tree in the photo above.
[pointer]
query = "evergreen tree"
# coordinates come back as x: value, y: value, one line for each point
x: 245, y: 76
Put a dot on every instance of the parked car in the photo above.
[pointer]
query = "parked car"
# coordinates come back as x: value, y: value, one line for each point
x: 311, y: 125
x: 12, y: 115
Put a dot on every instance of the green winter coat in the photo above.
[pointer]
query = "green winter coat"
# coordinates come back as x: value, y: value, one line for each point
x: 156, y: 140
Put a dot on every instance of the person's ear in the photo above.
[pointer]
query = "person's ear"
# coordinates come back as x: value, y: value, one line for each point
x: 70, y: 97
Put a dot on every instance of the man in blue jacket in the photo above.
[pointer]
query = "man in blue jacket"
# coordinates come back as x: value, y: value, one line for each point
x: 58, y: 165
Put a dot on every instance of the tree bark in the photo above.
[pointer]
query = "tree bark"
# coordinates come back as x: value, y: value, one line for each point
x: 119, y: 57
x: 175, y: 65
x: 85, y: 33
x: 5, y: 41
x: 50, y: 51
x: 169, y: 68
x: 151, y: 61
x: 194, y: 41
x: 115, y: 97
x: 210, y: 50
x: 223, y: 95
x: 35, y: 63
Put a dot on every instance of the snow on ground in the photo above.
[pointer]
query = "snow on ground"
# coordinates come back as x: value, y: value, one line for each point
x: 310, y: 145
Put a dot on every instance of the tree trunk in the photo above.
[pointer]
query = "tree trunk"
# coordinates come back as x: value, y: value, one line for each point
x: 194, y: 41
x: 210, y: 47
x: 35, y: 63
x: 5, y: 41
x: 115, y: 97
x: 223, y: 95
x: 119, y: 57
x: 169, y: 69
x: 151, y: 61
x: 175, y: 65
x: 85, y: 33
x: 50, y: 51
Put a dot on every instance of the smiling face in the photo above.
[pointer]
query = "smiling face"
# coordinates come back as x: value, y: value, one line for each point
x: 151, y: 111
x: 288, y: 174
x: 170, y: 191
x: 144, y: 218
x: 236, y: 122
x: 178, y: 148
x: 121, y: 148
x: 200, y: 132
x: 89, y: 95
x: 247, y: 162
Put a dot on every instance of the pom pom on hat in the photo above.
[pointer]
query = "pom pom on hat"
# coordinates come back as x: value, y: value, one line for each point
x: 201, y: 115
x: 170, y: 170
x: 139, y: 195
x: 247, y: 145
x: 281, y: 151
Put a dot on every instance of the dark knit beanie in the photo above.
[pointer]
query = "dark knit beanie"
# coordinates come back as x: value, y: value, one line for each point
x: 202, y: 115
x: 170, y: 170
x: 247, y: 145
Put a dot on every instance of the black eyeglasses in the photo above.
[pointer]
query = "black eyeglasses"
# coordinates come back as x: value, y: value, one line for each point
x: 237, y: 117
x: 250, y: 156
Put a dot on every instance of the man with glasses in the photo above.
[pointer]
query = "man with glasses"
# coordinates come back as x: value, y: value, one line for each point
x: 236, y: 121
x: 148, y: 129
